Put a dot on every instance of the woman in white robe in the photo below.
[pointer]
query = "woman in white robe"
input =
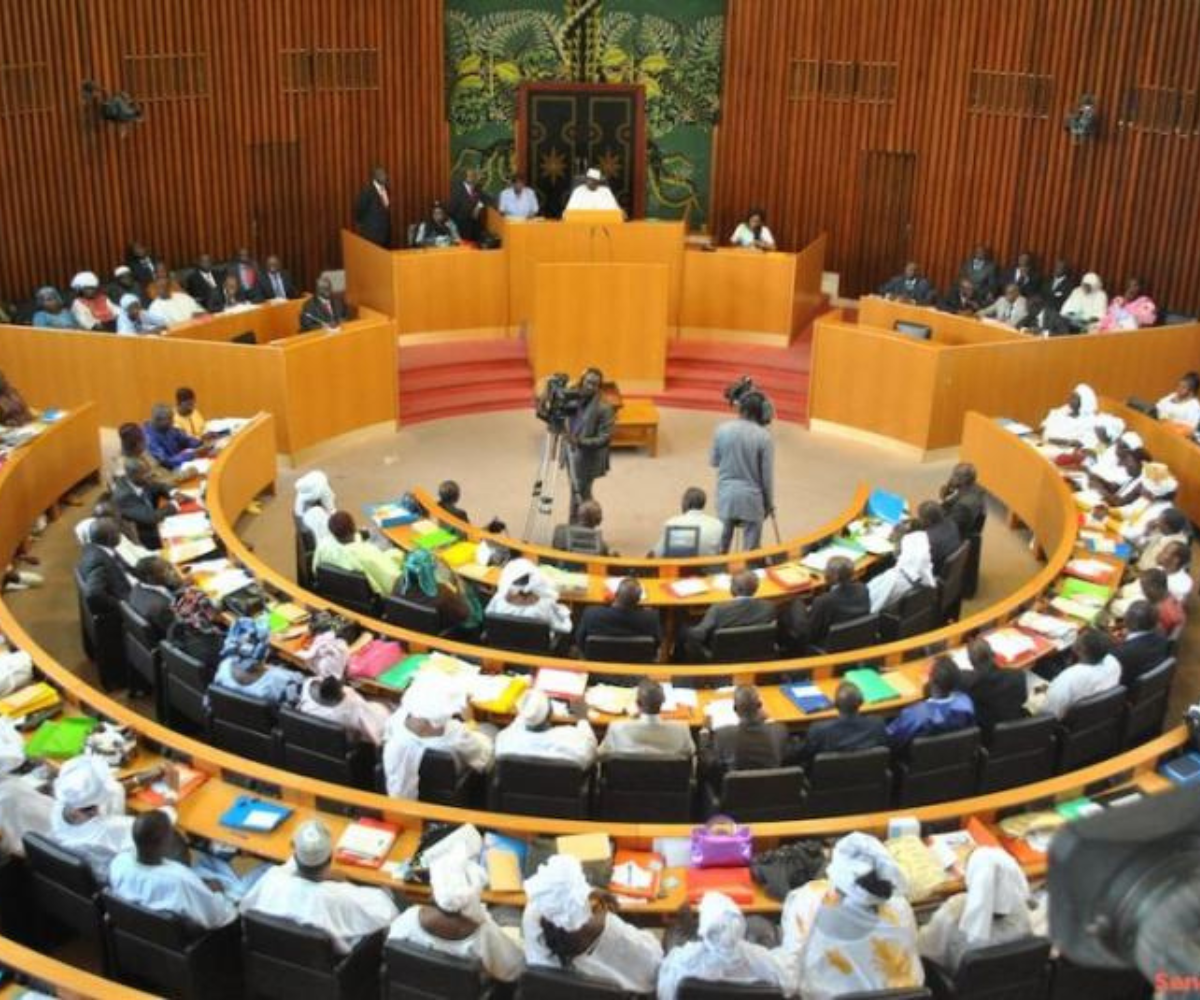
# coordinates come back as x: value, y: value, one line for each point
x: 1183, y: 405
x: 1072, y: 423
x: 1087, y: 304
x: 328, y: 698
x: 23, y: 809
x: 314, y: 504
x: 913, y: 569
x: 524, y: 592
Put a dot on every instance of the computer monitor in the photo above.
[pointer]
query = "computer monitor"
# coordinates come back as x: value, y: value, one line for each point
x: 918, y: 331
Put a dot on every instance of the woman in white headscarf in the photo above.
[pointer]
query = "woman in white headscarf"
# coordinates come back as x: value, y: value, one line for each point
x: 568, y: 926
x: 913, y: 569
x: 1073, y: 422
x: 524, y: 592
x: 314, y: 503
x: 458, y: 923
x: 993, y: 910
x: 855, y: 931
x: 722, y: 955
x: 425, y: 721
x: 1086, y: 305
x: 92, y: 309
x: 23, y: 809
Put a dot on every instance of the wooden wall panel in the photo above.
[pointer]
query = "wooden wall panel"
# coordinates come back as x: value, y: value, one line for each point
x: 262, y: 120
x: 980, y: 94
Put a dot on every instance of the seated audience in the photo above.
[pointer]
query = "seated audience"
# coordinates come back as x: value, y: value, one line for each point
x: 167, y: 444
x: 275, y: 283
x: 449, y: 495
x: 105, y: 584
x: 584, y: 534
x: 518, y: 200
x: 648, y: 735
x: 1102, y: 453
x: 424, y: 721
x: 911, y: 286
x: 146, y: 876
x: 524, y: 592
x: 804, y: 627
x: 913, y: 570
x: 14, y: 411
x: 457, y: 923
x: 852, y: 931
x: 229, y: 297
x: 753, y: 232
x: 205, y: 279
x: 1129, y: 311
x: 994, y: 910
x: 533, y: 734
x: 187, y: 417
x: 125, y: 283
x: 172, y: 306
x: 304, y: 890
x: 328, y: 698
x: 1174, y: 560
x: 1044, y: 318
x: 133, y: 319
x: 345, y: 549
x: 1155, y: 587
x: 744, y: 609
x: 963, y: 499
x: 89, y: 814
x: 753, y: 744
x: 428, y: 581
x: 998, y: 695
x: 23, y: 809
x: 136, y: 457
x: 1095, y: 670
x: 722, y: 954
x: 1060, y: 284
x: 153, y: 595
x: 322, y: 311
x: 1072, y: 424
x: 51, y: 314
x: 1024, y: 274
x: 623, y: 617
x: 92, y: 309
x: 141, y: 262
x: 1143, y: 647
x: 942, y: 531
x: 568, y: 925
x: 849, y: 731
x: 315, y: 503
x: 244, y: 668
x: 708, y: 528
x: 946, y: 708
x: 438, y: 230
x: 1011, y: 308
x: 980, y: 269
x: 1182, y: 406
x: 963, y: 299
x: 197, y: 629
x: 1169, y: 526
x: 1087, y: 304
x: 245, y: 268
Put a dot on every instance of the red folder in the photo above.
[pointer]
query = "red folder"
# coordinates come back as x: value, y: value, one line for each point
x: 736, y: 883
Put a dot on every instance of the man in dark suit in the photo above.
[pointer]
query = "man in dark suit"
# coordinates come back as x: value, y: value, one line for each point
x: 911, y: 286
x: 138, y: 499
x: 373, y: 210
x: 589, y: 434
x: 999, y: 695
x: 624, y: 617
x: 803, y: 627
x: 245, y: 268
x: 141, y: 262
x: 467, y: 205
x: 1024, y: 274
x: 963, y: 499
x: 849, y: 731
x: 1144, y: 646
x: 105, y: 586
x: 752, y: 745
x: 944, y: 536
x: 1060, y: 284
x: 744, y: 609
x: 980, y: 269
x: 963, y: 299
x: 229, y: 295
x: 153, y: 595
x: 275, y: 283
x: 322, y: 311
x: 1044, y: 319
x: 205, y: 280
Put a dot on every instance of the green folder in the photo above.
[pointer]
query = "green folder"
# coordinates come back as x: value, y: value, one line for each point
x: 1074, y: 808
x: 873, y: 687
x: 1073, y: 587
x: 400, y: 676
x: 438, y: 539
x: 61, y: 738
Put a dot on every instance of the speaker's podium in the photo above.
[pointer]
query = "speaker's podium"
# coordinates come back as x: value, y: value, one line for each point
x: 597, y: 312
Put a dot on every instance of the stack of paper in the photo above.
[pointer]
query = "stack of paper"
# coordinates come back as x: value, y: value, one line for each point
x: 561, y: 683
x: 366, y: 843
x: 451, y: 666
x: 226, y: 582
x: 720, y: 713
x: 689, y: 586
x: 225, y: 425
x: 612, y: 699
x: 1095, y: 570
x: 790, y: 575
x: 923, y: 872
x: 196, y: 525
x: 820, y: 558
x: 1058, y: 630
x: 1010, y: 644
x: 1085, y: 612
x: 679, y: 700
x: 566, y: 582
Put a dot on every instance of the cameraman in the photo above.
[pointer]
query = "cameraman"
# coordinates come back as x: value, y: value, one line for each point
x: 589, y: 433
x: 744, y: 456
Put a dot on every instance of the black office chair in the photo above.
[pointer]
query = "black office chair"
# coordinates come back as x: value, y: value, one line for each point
x: 1147, y: 707
x: 520, y: 635
x: 646, y: 789
x: 343, y: 587
x: 854, y: 633
x: 1016, y: 970
x: 762, y: 796
x: 744, y: 643
x: 185, y: 682
x: 1069, y: 981
x: 1017, y: 753
x: 319, y: 748
x: 440, y: 780
x: 65, y: 893
x: 163, y: 952
x: 975, y: 541
x: 911, y: 993
x: 702, y: 989
x: 242, y: 724
x: 620, y: 649
x: 916, y: 612
x: 855, y: 781
x: 401, y: 611
x: 17, y: 920
x: 546, y: 983
x: 580, y: 541
x: 953, y: 582
x: 140, y: 642
x: 1091, y: 730
x: 306, y: 546
x: 938, y: 768
x: 681, y: 541
x: 537, y: 786
x: 87, y: 621
x: 411, y: 972
x: 283, y: 960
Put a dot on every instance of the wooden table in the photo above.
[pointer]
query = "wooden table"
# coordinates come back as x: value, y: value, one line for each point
x: 637, y: 426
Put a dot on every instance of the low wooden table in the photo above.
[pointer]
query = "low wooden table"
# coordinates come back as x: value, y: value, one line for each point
x: 637, y: 426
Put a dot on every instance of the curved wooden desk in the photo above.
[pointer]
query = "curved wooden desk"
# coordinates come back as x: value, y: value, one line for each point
x: 77, y: 984
x: 1166, y: 445
x: 35, y: 476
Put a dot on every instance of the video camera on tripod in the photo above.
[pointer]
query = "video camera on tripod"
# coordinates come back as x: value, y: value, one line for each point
x: 559, y: 401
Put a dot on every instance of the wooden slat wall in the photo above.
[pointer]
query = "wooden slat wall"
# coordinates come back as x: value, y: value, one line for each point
x: 242, y: 144
x: 1005, y: 173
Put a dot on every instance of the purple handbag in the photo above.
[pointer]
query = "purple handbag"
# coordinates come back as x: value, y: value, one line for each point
x: 721, y: 843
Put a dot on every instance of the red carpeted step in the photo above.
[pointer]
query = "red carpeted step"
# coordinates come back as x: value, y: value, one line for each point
x: 469, y: 399
x: 432, y: 379
x: 462, y: 352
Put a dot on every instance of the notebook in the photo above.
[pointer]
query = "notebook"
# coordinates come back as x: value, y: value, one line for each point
x: 873, y: 687
x: 637, y: 874
x: 692, y: 586
x: 807, y: 697
x: 400, y: 676
x: 504, y: 859
x: 844, y: 548
x: 159, y: 793
x: 254, y: 815
x: 1093, y: 570
x: 1084, y: 590
x: 561, y: 683
x: 392, y: 514
x: 365, y: 843
x: 438, y: 539
x: 587, y: 847
x: 790, y: 576
x: 29, y: 699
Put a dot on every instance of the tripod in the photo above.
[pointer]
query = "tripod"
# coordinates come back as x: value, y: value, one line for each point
x: 540, y: 516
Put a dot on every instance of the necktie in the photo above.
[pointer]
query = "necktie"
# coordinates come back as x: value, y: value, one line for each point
x: 278, y: 285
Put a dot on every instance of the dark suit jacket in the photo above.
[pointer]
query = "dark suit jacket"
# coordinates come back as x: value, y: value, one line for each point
x: 461, y: 208
x: 604, y: 619
x: 1141, y: 654
x: 141, y: 507
x: 965, y: 508
x: 953, y: 302
x: 156, y: 608
x: 373, y: 219
x: 999, y: 695
x: 1057, y: 289
x: 846, y: 732
x: 219, y: 302
x: 985, y: 277
x: 201, y: 290
x: 593, y: 428
x: 1047, y: 320
x: 922, y: 291
x: 944, y: 538
x: 105, y: 584
x: 803, y: 626
x: 1029, y: 284
x: 730, y: 614
x: 250, y: 291
x: 266, y: 288
x: 142, y: 267
x: 748, y: 746
x: 316, y: 315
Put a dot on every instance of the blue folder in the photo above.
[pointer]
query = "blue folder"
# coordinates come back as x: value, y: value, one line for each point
x: 806, y: 699
x: 886, y: 506
x: 238, y: 815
